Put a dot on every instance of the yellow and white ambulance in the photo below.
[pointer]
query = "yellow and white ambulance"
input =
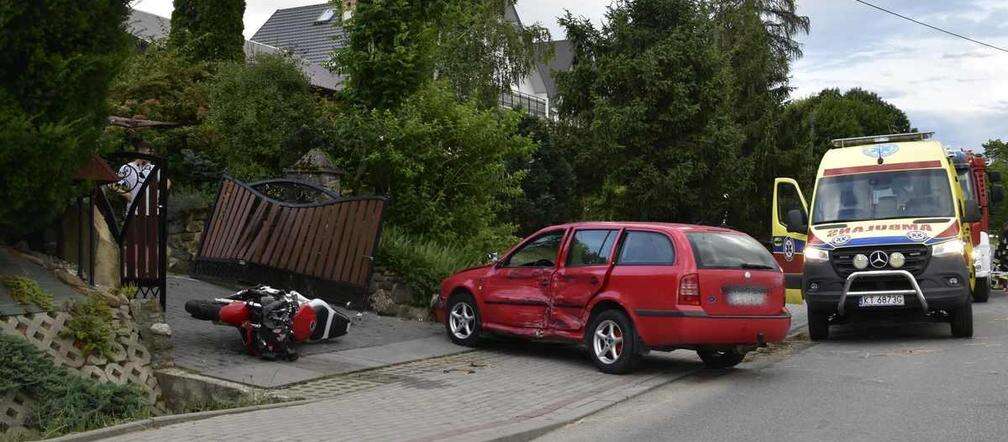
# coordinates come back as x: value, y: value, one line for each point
x: 886, y: 234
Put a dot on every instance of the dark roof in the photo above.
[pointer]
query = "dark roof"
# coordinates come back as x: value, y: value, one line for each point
x: 146, y: 26
x: 296, y: 30
x: 562, y: 60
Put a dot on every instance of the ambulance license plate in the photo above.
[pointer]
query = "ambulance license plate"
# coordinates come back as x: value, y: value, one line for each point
x: 881, y: 300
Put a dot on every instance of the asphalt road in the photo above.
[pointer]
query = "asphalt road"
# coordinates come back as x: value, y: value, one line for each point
x: 869, y: 382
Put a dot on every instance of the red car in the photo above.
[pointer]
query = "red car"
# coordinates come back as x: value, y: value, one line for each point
x: 624, y: 289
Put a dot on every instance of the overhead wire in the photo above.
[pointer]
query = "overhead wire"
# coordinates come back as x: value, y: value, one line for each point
x: 936, y: 28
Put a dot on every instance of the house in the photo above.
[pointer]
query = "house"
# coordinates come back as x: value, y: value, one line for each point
x: 147, y: 28
x: 312, y: 33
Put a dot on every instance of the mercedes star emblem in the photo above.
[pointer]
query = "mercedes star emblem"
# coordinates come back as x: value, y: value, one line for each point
x: 878, y: 259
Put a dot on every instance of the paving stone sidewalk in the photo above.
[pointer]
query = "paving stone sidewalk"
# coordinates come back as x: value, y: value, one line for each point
x: 217, y: 351
x: 504, y: 389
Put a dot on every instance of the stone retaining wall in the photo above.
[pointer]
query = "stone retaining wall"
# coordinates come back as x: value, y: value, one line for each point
x: 184, y: 234
x: 390, y: 296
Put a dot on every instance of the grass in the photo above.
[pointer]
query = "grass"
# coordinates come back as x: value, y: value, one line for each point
x: 246, y: 400
x: 423, y: 263
x: 26, y: 291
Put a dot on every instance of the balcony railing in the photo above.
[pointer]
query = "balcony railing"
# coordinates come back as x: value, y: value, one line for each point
x: 535, y: 106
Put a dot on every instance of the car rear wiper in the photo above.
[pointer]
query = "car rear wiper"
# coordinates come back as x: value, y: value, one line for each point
x: 746, y: 265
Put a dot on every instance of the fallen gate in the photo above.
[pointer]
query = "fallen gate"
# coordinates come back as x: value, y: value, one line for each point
x: 292, y: 234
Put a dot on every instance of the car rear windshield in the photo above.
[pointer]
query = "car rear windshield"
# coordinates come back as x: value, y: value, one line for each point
x: 727, y: 250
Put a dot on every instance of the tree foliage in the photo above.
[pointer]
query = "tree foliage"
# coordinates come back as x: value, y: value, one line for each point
x: 997, y: 151
x: 57, y: 58
x: 651, y: 94
x: 444, y: 163
x: 262, y: 117
x: 209, y: 30
x: 810, y: 123
x: 549, y: 189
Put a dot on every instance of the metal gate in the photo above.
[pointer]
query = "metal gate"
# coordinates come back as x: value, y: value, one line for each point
x: 292, y: 234
x: 139, y: 224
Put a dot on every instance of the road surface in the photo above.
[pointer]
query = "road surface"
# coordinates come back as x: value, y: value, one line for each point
x: 869, y: 382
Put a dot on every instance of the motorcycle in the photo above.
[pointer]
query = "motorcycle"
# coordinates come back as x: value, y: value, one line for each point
x: 272, y: 321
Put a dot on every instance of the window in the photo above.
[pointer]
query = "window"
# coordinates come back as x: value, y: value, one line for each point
x: 591, y: 247
x: 787, y: 200
x: 646, y: 248
x: 540, y: 252
x: 883, y: 195
x: 326, y: 16
x: 728, y: 250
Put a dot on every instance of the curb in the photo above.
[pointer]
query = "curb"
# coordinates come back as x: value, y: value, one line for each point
x: 161, y: 421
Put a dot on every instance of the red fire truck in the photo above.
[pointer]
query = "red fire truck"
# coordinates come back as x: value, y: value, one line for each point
x: 971, y: 169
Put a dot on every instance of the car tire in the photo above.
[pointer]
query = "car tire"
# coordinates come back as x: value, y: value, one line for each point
x: 724, y: 358
x: 962, y: 321
x: 612, y: 342
x: 462, y: 320
x: 981, y: 292
x: 818, y: 326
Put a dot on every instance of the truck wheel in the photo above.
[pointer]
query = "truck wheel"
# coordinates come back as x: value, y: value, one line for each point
x: 962, y: 321
x: 612, y: 342
x: 720, y: 358
x: 818, y: 326
x: 981, y: 292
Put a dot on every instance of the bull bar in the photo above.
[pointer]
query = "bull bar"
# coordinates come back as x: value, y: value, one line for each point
x: 858, y: 275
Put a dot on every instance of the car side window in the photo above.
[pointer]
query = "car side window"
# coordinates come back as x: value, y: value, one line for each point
x: 540, y: 252
x: 646, y: 248
x: 591, y: 247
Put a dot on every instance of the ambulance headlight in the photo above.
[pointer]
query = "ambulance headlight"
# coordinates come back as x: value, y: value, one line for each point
x: 860, y: 261
x: 896, y: 260
x: 948, y: 248
x: 813, y: 254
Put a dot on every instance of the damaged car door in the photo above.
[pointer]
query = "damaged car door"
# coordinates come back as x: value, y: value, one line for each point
x: 516, y: 291
x: 584, y: 272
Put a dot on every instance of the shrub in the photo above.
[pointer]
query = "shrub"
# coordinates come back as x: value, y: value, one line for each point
x: 64, y: 403
x: 26, y: 291
x: 423, y: 263
x: 91, y: 324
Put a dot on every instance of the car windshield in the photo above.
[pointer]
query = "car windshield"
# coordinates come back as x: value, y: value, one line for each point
x: 883, y: 195
x: 726, y: 250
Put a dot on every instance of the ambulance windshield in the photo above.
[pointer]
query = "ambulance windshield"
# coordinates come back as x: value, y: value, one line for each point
x: 883, y: 195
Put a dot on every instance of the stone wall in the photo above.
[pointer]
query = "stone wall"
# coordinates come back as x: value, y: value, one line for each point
x: 390, y: 296
x: 184, y: 232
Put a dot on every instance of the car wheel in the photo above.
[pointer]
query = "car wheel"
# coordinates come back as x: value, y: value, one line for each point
x: 463, y: 321
x: 981, y: 292
x: 612, y: 342
x: 962, y: 321
x: 723, y: 358
x: 818, y: 326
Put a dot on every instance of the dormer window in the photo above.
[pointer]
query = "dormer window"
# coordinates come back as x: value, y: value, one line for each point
x: 326, y: 16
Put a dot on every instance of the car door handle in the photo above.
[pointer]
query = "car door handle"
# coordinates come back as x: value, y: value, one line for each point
x: 593, y: 280
x: 544, y: 282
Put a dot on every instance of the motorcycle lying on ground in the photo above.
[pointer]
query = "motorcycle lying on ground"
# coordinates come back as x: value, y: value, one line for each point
x: 272, y: 321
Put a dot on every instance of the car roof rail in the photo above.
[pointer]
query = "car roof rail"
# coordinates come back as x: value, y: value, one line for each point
x: 879, y: 139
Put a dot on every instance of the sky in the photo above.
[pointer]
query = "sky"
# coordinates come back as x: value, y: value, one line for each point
x: 947, y: 85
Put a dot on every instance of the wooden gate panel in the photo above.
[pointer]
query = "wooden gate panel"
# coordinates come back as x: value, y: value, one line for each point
x: 324, y: 245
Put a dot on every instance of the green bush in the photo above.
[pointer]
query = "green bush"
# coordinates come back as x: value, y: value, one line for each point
x: 261, y: 116
x: 64, y: 403
x: 26, y: 291
x: 423, y: 263
x: 91, y: 324
x: 444, y: 163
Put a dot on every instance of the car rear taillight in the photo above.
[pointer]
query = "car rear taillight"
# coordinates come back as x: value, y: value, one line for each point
x: 689, y: 289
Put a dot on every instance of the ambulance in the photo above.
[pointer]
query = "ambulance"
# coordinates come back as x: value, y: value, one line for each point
x: 885, y: 235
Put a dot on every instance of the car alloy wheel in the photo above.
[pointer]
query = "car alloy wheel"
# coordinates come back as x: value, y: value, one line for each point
x: 608, y: 341
x: 462, y: 320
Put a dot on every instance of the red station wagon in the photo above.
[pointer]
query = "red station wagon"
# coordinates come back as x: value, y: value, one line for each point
x: 624, y: 289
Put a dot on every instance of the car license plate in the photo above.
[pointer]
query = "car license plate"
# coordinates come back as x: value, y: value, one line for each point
x: 746, y: 297
x: 881, y: 300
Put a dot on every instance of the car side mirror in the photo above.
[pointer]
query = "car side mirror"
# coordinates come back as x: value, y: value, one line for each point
x: 973, y: 213
x: 493, y: 257
x: 996, y: 194
x: 994, y: 176
x: 796, y: 222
